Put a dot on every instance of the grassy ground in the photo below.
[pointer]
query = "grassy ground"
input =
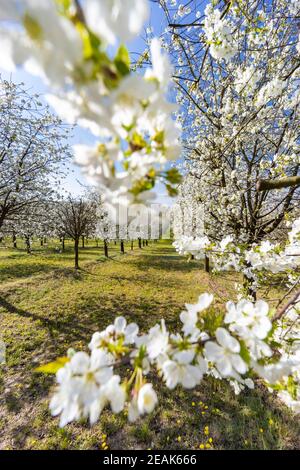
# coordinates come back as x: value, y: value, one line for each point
x: 47, y: 307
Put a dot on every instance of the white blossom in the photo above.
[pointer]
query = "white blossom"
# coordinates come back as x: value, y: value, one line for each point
x: 113, y: 333
x: 179, y: 370
x: 189, y: 317
x: 147, y: 399
x: 79, y: 386
x: 116, y: 19
x: 225, y: 354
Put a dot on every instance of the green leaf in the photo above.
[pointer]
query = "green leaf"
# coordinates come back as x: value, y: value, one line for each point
x: 173, y: 176
x: 137, y: 142
x: 53, y: 367
x: 145, y: 184
x: 292, y: 388
x: 244, y: 353
x: 172, y: 192
x: 122, y: 60
x: 32, y: 27
x: 63, y: 6
x: 159, y: 137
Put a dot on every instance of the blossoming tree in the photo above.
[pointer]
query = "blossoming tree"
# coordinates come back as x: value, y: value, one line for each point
x: 239, y: 112
x: 33, y: 151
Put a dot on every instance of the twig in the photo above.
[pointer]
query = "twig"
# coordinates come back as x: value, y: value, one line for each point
x: 286, y: 307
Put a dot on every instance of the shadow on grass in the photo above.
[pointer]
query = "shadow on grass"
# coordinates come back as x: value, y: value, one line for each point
x: 255, y: 419
x: 21, y: 270
x: 165, y: 262
x: 26, y: 265
x: 65, y: 326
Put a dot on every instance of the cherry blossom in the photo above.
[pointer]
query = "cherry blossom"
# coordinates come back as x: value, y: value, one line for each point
x: 225, y: 353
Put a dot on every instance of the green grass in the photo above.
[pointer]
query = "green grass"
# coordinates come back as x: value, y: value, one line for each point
x: 46, y: 307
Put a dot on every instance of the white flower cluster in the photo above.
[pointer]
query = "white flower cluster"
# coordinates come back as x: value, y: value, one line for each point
x: 47, y: 44
x: 218, y: 34
x: 116, y: 19
x: 272, y: 257
x: 247, y: 79
x: 138, y: 116
x: 192, y: 246
x: 237, y: 351
x: 270, y: 91
x: 227, y: 255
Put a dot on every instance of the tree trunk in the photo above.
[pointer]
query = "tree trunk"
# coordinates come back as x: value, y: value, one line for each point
x: 42, y: 241
x: 131, y: 245
x: 28, y: 246
x: 76, y: 252
x: 97, y: 243
x: 248, y: 285
x: 82, y: 239
x: 63, y: 243
x: 122, y: 247
x: 105, y: 249
x: 140, y: 243
x: 207, y: 264
x: 146, y: 242
x: 14, y: 240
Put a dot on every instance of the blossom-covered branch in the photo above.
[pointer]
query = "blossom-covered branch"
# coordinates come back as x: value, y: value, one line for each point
x: 237, y: 346
x: 254, y: 262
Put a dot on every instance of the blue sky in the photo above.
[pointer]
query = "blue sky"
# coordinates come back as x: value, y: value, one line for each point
x: 75, y: 179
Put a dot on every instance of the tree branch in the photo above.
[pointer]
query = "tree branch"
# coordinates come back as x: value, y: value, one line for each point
x: 263, y: 184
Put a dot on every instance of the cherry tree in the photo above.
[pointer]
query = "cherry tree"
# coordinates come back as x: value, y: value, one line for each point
x: 237, y: 73
x: 32, y: 223
x: 239, y: 112
x: 76, y: 217
x: 106, y: 226
x: 33, y: 151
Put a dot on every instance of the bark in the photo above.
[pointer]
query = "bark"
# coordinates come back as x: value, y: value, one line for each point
x: 28, y: 245
x: 283, y: 310
x: 248, y: 284
x: 76, y: 252
x: 105, y: 249
x: 122, y: 247
x: 279, y: 183
x: 207, y: 267
x: 14, y: 240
